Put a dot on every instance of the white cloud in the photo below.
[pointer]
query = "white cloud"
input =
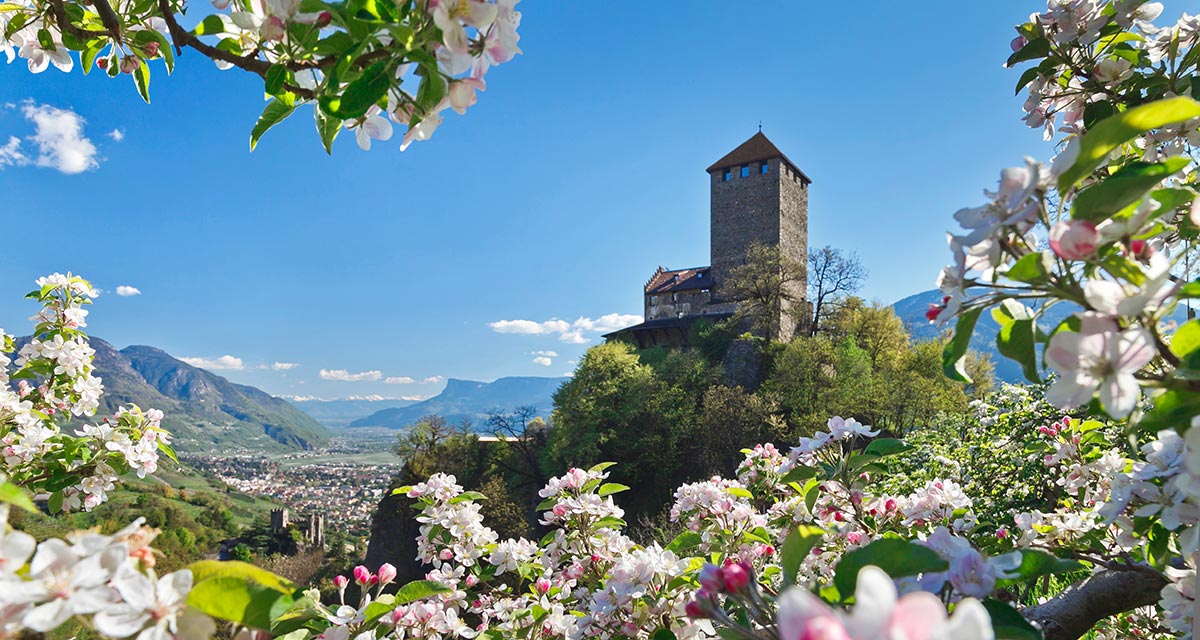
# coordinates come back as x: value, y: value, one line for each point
x: 225, y: 362
x: 543, y: 360
x: 283, y: 366
x: 345, y: 376
x: 11, y: 154
x: 529, y: 327
x: 116, y: 134
x: 125, y: 291
x: 548, y: 354
x: 399, y: 380
x: 58, y: 135
x: 568, y: 332
x: 414, y: 398
x: 433, y: 380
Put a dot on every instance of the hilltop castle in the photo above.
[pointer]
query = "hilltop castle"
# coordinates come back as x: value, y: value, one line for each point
x: 757, y: 195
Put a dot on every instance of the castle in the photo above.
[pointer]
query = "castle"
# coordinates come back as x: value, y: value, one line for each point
x: 757, y: 195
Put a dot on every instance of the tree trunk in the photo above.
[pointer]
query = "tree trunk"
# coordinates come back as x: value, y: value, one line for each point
x: 1072, y: 613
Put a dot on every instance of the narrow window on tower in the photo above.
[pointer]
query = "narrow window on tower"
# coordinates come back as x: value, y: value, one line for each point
x: 763, y: 168
x: 745, y: 171
x: 728, y: 175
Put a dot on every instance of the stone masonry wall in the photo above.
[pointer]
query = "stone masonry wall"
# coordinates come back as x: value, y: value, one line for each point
x: 771, y: 209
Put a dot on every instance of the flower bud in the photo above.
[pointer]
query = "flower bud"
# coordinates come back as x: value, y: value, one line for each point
x: 387, y: 573
x: 340, y: 582
x: 711, y: 579
x: 542, y: 585
x: 1140, y: 250
x: 362, y: 575
x: 696, y: 610
x: 472, y: 580
x: 102, y: 63
x: 323, y: 19
x: 630, y: 629
x: 129, y: 64
x: 1074, y: 239
x: 1017, y: 43
x: 736, y: 576
x: 151, y: 50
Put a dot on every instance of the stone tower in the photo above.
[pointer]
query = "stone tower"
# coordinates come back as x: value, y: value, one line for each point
x: 757, y: 196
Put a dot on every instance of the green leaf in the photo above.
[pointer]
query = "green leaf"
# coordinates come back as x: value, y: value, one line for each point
x: 1171, y: 409
x: 812, y: 491
x: 467, y: 496
x: 955, y: 351
x: 1186, y: 339
x: 1007, y: 622
x: 419, y: 590
x: 1123, y: 188
x: 168, y: 451
x: 608, y: 523
x: 663, y: 634
x: 796, y: 547
x: 684, y: 541
x: 601, y: 466
x: 328, y: 128
x: 366, y: 90
x: 898, y: 558
x: 610, y: 488
x: 213, y: 569
x: 209, y: 26
x: 276, y: 76
x: 1172, y: 199
x: 16, y: 496
x: 1033, y: 50
x: 1031, y: 268
x: 55, y: 502
x: 1036, y: 563
x: 1016, y: 341
x: 141, y: 77
x: 798, y: 474
x: 886, y: 447
x: 1029, y: 76
x: 91, y: 53
x: 1097, y: 143
x: 237, y: 600
x: 1190, y: 290
x: 275, y: 113
x: 739, y: 492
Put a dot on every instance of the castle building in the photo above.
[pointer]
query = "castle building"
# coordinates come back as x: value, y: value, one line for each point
x: 757, y: 196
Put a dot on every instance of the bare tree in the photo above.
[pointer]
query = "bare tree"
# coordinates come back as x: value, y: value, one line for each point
x: 766, y: 286
x: 524, y: 435
x: 832, y: 277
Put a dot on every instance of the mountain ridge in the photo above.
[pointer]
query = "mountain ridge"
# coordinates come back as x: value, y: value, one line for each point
x: 471, y: 400
x: 204, y: 411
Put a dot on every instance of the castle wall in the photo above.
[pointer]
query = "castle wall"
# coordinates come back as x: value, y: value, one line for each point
x: 677, y: 304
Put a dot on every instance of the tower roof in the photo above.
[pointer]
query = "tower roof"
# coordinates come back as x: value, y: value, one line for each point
x: 756, y: 149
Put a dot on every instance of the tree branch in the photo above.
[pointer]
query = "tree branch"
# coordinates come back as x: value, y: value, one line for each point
x: 64, y: 24
x: 1072, y: 613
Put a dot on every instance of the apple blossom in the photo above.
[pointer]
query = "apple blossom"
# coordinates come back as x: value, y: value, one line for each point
x: 878, y: 613
x: 1099, y: 357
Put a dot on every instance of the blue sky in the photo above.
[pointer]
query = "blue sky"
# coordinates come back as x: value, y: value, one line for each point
x: 579, y: 171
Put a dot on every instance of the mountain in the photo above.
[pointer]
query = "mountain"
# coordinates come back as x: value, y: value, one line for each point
x: 340, y: 413
x: 204, y: 411
x: 470, y: 400
x: 911, y: 311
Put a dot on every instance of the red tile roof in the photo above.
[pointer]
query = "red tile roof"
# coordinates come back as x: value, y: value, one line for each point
x: 679, y: 280
x: 756, y: 149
